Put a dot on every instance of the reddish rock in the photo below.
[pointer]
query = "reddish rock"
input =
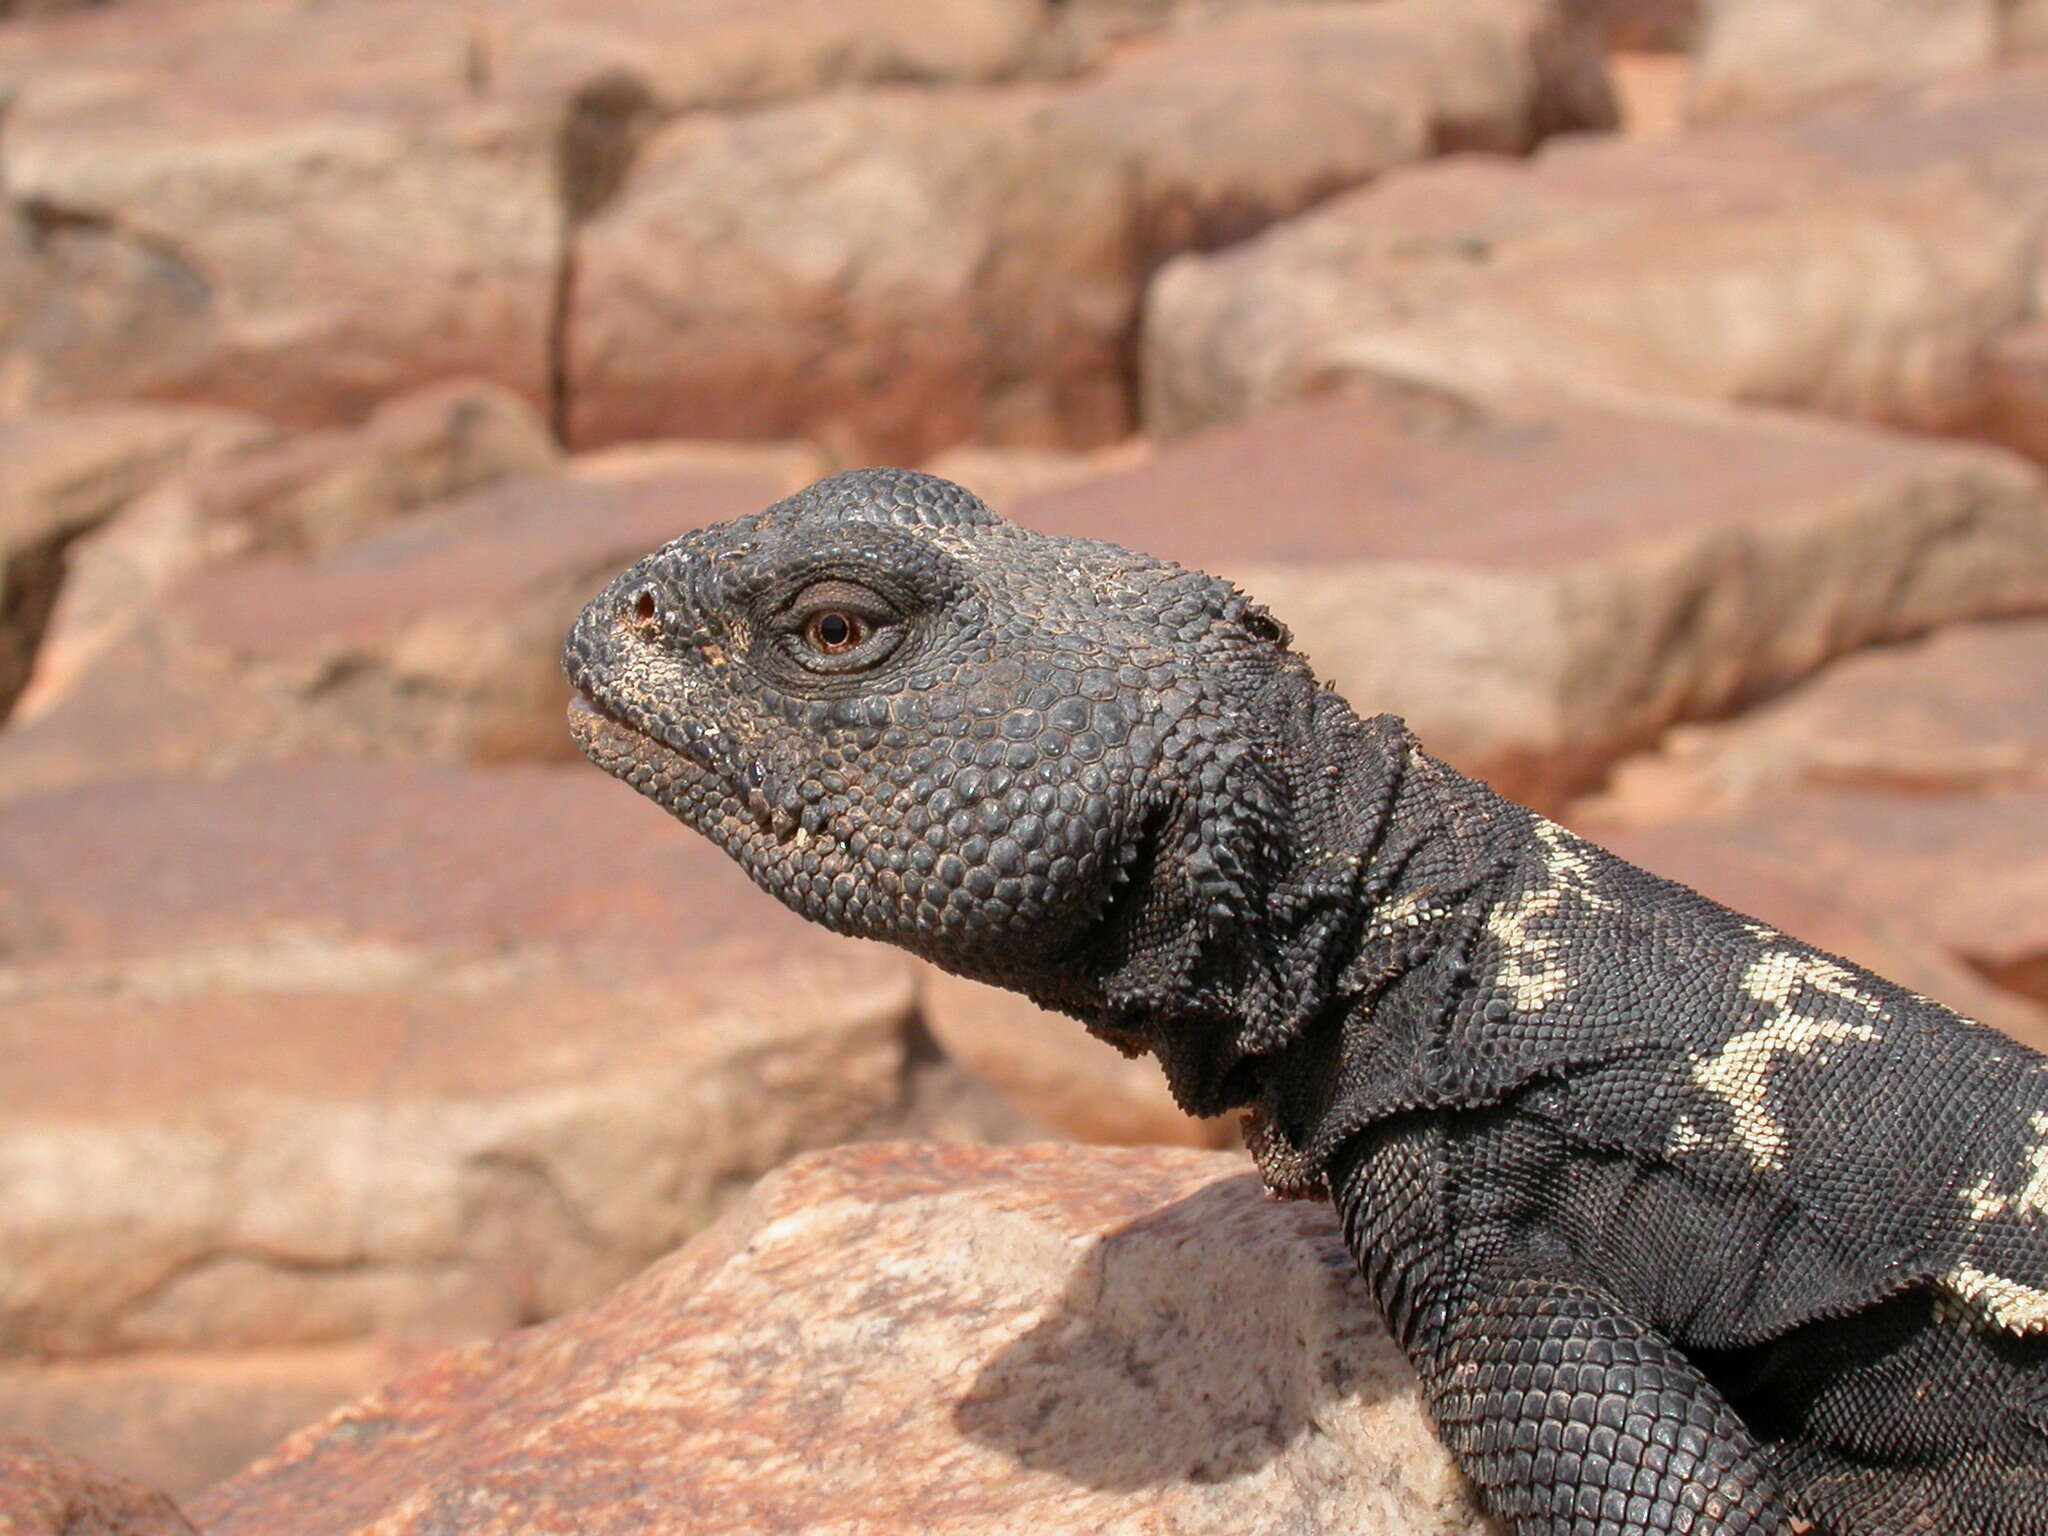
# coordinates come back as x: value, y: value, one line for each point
x: 182, y: 1422
x: 709, y: 54
x: 344, y: 215
x: 2017, y: 411
x: 1257, y: 116
x: 1648, y: 25
x: 440, y: 636
x: 1967, y: 875
x: 1761, y: 56
x: 785, y: 467
x: 44, y: 1493
x: 885, y: 273
x: 1859, y: 263
x: 311, y: 492
x: 952, y: 1341
x: 1541, y: 586
x: 1961, y: 711
x: 1051, y: 1069
x: 63, y: 474
x: 329, y: 1051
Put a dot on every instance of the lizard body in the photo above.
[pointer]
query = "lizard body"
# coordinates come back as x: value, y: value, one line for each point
x: 1686, y: 1226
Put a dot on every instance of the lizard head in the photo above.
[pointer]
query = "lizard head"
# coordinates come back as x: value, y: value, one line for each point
x: 1037, y: 761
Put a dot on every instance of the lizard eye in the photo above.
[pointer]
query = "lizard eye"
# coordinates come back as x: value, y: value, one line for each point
x: 835, y: 631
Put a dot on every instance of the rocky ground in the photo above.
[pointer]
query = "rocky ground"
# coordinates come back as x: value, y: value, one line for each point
x: 1649, y: 400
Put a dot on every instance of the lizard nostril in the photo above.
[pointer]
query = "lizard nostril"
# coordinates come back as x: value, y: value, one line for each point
x: 643, y: 606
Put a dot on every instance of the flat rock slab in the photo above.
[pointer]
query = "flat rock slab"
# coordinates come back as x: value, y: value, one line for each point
x: 1541, y: 585
x: 909, y: 1338
x: 324, y: 1052
x: 63, y: 473
x: 439, y: 636
x: 46, y: 1493
x: 1858, y: 263
x: 1963, y: 875
x: 180, y: 1422
x: 1961, y: 711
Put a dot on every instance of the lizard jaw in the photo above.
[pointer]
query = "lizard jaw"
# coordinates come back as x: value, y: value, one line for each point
x: 686, y: 780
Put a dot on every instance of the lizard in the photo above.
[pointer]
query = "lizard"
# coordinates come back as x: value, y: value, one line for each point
x: 1685, y: 1226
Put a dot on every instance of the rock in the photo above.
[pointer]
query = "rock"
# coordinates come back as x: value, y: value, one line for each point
x: 1638, y: 25
x: 1758, y: 56
x: 1963, y: 876
x: 1051, y: 1069
x: 1859, y: 263
x: 885, y: 273
x: 1541, y: 586
x: 184, y: 1421
x: 312, y: 492
x: 786, y: 467
x: 1005, y: 477
x: 2017, y: 412
x: 335, y: 1050
x: 1264, y: 113
x: 1959, y: 712
x: 440, y: 636
x: 713, y: 54
x: 911, y: 1338
x: 63, y: 474
x: 48, y: 1494
x: 343, y: 217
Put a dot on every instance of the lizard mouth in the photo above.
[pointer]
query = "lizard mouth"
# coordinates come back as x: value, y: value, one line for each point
x: 680, y: 771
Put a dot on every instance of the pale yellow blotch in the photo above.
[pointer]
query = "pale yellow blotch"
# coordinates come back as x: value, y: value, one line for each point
x: 1685, y: 1137
x: 1531, y: 970
x: 1569, y: 864
x: 1987, y: 1202
x: 1739, y: 1074
x: 1411, y: 911
x: 2003, y: 1303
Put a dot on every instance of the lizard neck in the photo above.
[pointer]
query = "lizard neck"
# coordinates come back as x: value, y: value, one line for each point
x: 1343, y: 849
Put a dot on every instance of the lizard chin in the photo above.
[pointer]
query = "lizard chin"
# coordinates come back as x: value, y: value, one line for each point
x: 689, y: 784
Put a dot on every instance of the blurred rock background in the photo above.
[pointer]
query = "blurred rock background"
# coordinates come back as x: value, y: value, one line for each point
x: 1647, y: 398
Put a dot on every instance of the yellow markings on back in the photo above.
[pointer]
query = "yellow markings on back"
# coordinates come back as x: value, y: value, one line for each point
x: 1987, y: 1203
x: 1994, y: 1299
x: 1739, y: 1074
x: 1532, y: 969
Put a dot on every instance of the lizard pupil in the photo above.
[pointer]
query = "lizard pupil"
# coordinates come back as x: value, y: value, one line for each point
x: 834, y: 633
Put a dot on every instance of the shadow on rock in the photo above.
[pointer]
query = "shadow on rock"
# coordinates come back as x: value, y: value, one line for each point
x: 1196, y: 1344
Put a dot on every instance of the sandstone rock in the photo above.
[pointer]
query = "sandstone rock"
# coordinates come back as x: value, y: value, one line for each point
x: 1053, y: 1070
x: 787, y: 467
x: 905, y: 1338
x: 1962, y: 711
x: 300, y: 210
x: 1858, y: 263
x: 1760, y: 56
x: 183, y: 1422
x: 709, y: 54
x: 440, y: 636
x: 1541, y: 586
x: 1006, y: 477
x: 885, y: 273
x: 63, y: 474
x: 2017, y: 412
x: 311, y: 492
x: 1229, y: 127
x: 44, y: 1493
x: 1962, y: 876
x: 1646, y: 25
x: 329, y: 1051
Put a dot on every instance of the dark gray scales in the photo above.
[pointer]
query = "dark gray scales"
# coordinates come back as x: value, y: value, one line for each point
x: 1686, y: 1227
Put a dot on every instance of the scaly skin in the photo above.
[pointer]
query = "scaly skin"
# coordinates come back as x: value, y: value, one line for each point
x: 1685, y: 1226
